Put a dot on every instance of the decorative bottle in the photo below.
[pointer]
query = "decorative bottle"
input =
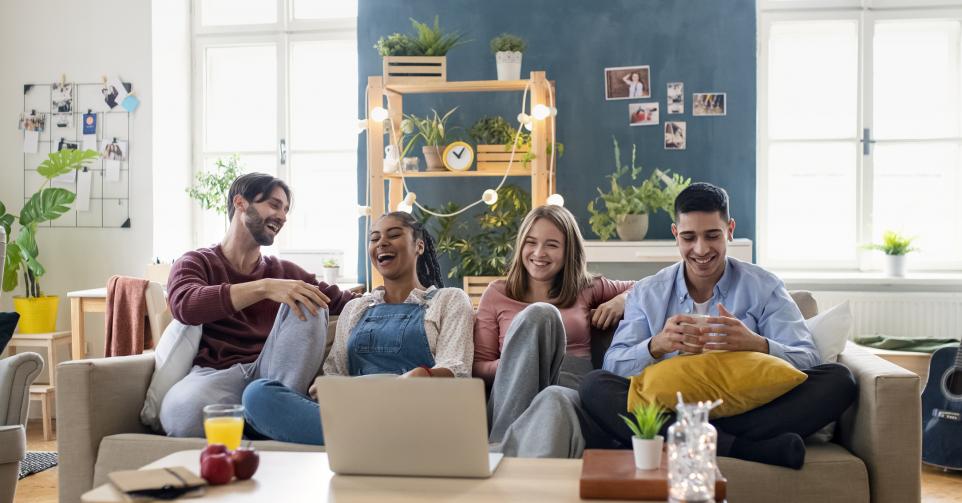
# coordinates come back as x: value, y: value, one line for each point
x: 692, y: 442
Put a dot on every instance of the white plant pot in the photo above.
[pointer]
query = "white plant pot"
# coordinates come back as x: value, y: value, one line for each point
x: 647, y: 452
x: 331, y: 274
x: 895, y: 266
x: 633, y: 227
x: 509, y: 65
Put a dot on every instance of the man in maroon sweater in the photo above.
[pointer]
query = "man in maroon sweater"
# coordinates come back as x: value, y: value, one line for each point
x: 261, y: 316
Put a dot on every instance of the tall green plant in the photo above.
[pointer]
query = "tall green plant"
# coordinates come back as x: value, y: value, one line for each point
x: 657, y: 192
x: 46, y: 204
x: 210, y: 188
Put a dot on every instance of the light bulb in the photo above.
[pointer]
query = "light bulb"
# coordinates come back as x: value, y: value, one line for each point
x: 528, y: 126
x: 379, y: 113
x: 556, y: 200
x: 541, y: 111
x: 524, y: 118
x: 402, y: 206
x: 363, y: 211
x: 490, y: 197
x: 409, y: 198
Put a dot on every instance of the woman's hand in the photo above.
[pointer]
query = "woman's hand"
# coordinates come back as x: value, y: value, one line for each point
x: 416, y: 372
x: 609, y: 313
x: 312, y: 392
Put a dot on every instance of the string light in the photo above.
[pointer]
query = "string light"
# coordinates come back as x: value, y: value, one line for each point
x: 379, y: 113
x: 490, y: 197
x: 407, y: 205
x: 361, y: 125
x: 556, y: 200
x: 363, y: 211
x: 540, y: 111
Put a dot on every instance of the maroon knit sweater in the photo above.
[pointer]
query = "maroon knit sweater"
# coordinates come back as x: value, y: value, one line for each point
x: 198, y: 292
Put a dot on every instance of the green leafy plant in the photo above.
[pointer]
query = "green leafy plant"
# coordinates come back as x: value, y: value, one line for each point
x: 495, y: 130
x: 329, y: 262
x: 428, y: 41
x: 507, y: 42
x: 657, y: 192
x: 430, y: 129
x: 484, y: 248
x: 46, y: 204
x: 893, y: 243
x: 646, y: 420
x: 210, y: 187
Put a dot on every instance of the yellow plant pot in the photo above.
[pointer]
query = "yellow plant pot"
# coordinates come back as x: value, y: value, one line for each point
x: 38, y: 315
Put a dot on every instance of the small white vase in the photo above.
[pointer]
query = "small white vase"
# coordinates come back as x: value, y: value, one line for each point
x: 895, y: 266
x: 647, y: 452
x: 509, y: 65
x: 330, y: 274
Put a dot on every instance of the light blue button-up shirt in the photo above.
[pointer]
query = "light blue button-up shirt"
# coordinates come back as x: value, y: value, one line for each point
x: 755, y: 296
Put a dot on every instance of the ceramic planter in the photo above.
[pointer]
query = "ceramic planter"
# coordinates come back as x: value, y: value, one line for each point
x: 633, y: 227
x: 432, y: 158
x: 895, y: 266
x: 509, y: 65
x: 331, y: 274
x: 38, y: 315
x: 647, y: 452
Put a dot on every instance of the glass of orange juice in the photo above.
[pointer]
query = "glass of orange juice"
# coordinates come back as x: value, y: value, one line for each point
x: 224, y: 424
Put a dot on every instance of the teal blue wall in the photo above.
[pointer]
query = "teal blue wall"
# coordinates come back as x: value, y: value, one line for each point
x: 707, y: 44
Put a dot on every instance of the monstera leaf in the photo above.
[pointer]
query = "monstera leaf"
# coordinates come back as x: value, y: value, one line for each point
x: 65, y: 161
x: 6, y: 219
x: 27, y: 242
x: 11, y: 266
x: 48, y: 204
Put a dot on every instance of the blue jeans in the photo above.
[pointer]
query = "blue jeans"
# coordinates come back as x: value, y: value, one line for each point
x: 279, y: 412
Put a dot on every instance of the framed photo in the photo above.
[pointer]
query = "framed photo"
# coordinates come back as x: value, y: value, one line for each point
x: 676, y: 134
x: 115, y: 151
x: 61, y: 97
x: 709, y: 103
x: 627, y: 82
x: 676, y: 98
x: 642, y: 114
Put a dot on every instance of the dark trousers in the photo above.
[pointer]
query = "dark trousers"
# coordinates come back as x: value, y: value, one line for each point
x: 821, y: 399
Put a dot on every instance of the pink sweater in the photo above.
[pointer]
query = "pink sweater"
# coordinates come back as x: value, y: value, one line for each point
x: 198, y: 293
x: 497, y: 310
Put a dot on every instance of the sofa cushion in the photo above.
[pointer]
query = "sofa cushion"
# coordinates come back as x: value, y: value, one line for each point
x: 830, y: 331
x: 8, y: 323
x: 129, y: 451
x: 173, y: 359
x: 830, y: 473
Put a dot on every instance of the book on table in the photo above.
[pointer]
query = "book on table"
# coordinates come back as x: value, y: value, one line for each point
x: 611, y: 474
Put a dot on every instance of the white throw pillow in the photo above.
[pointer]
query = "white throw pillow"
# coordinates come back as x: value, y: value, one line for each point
x: 830, y: 330
x: 173, y: 359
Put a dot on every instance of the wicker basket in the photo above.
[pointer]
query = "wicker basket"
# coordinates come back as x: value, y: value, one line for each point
x: 415, y: 69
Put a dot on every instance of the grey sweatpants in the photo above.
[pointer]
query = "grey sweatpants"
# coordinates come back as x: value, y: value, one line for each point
x: 529, y: 415
x: 293, y: 355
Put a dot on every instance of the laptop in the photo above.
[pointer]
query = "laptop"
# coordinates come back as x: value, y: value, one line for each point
x: 416, y: 427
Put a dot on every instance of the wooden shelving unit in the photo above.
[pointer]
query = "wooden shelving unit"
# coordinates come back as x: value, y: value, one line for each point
x: 391, y: 97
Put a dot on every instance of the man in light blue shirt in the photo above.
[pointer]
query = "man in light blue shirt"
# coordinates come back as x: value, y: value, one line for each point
x: 748, y: 309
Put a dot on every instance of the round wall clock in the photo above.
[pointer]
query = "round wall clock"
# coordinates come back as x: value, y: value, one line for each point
x: 458, y: 156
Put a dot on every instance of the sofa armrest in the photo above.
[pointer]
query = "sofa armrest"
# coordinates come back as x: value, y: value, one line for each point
x: 884, y: 426
x: 96, y: 398
x: 13, y: 443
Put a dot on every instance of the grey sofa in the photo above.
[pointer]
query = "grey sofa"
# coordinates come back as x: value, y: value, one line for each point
x: 875, y: 455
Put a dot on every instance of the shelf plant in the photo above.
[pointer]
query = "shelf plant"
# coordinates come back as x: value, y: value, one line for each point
x: 432, y: 130
x: 507, y: 42
x: 626, y: 207
x: 427, y: 41
x: 495, y: 130
x: 895, y: 246
x: 508, y: 51
x: 22, y: 257
x: 645, y: 423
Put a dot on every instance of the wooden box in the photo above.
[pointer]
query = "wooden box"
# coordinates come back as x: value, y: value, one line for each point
x: 611, y: 474
x: 476, y: 285
x: 415, y: 69
x: 495, y: 158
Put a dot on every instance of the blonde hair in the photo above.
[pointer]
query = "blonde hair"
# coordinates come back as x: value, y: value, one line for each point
x: 573, y: 276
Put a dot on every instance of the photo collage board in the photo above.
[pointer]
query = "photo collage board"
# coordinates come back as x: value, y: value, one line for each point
x: 69, y: 115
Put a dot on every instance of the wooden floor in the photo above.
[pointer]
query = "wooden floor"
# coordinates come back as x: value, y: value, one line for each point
x: 937, y: 486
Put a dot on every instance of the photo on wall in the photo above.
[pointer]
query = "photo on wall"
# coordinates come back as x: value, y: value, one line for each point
x: 115, y: 151
x: 676, y: 98
x: 627, y: 82
x: 62, y: 98
x: 642, y: 114
x: 676, y: 133
x: 63, y: 120
x: 709, y: 104
x: 114, y: 92
x: 32, y: 122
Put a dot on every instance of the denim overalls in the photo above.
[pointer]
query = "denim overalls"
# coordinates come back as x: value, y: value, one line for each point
x: 390, y: 339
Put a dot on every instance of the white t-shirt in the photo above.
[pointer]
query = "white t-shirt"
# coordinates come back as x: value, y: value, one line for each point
x: 702, y: 307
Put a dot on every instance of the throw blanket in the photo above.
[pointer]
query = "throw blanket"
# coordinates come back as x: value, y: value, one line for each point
x: 127, y: 329
x: 905, y: 343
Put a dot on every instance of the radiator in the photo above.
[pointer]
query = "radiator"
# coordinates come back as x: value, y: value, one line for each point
x: 908, y: 314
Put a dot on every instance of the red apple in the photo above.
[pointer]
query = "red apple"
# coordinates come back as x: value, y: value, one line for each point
x: 245, y: 461
x: 217, y: 469
x: 213, y: 449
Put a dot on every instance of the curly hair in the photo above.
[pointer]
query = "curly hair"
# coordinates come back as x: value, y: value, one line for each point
x: 428, y: 269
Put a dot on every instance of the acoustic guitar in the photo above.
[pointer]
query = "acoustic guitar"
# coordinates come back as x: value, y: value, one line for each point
x: 942, y: 410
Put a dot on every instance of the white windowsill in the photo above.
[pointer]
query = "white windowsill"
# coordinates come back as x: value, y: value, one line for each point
x: 873, y: 281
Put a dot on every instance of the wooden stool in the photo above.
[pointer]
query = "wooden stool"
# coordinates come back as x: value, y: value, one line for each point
x: 45, y: 394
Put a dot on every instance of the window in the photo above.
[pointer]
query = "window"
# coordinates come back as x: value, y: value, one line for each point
x: 276, y: 83
x: 859, y: 132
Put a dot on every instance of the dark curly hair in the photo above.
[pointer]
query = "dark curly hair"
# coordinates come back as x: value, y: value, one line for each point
x: 428, y: 269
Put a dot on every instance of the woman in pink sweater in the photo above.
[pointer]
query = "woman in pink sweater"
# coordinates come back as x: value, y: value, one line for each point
x: 533, y: 330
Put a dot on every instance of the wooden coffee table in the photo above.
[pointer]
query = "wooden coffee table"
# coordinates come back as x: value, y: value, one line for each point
x: 291, y: 477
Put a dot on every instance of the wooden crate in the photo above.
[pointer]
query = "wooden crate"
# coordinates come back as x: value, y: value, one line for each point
x: 476, y: 285
x: 495, y: 158
x: 415, y: 69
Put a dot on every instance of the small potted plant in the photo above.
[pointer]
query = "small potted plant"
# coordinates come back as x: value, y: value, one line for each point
x: 431, y: 130
x: 494, y: 137
x: 508, y: 49
x: 896, y: 247
x: 38, y: 312
x: 331, y: 271
x: 210, y: 187
x: 626, y: 208
x: 418, y: 58
x: 645, y: 424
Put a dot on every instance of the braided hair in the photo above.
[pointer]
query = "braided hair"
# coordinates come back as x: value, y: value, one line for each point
x: 428, y: 269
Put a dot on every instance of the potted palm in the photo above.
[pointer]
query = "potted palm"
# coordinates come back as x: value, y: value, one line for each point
x: 331, y: 271
x: 626, y: 208
x: 896, y: 247
x: 418, y: 58
x: 645, y: 423
x: 508, y: 50
x: 431, y: 130
x: 38, y: 312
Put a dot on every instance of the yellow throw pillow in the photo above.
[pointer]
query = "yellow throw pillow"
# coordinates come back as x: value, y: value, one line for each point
x: 743, y: 379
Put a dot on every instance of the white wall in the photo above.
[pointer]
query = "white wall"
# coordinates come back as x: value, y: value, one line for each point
x: 84, y: 39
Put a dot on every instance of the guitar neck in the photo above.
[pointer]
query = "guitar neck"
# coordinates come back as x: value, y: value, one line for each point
x: 958, y: 357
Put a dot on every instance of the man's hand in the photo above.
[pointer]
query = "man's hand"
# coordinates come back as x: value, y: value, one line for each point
x: 679, y: 334
x: 733, y: 335
x: 296, y: 293
x: 607, y: 314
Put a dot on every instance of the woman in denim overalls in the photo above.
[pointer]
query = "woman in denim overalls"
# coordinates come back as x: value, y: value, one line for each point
x: 410, y: 327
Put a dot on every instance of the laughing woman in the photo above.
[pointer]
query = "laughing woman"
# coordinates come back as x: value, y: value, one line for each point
x: 533, y: 330
x: 434, y: 324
